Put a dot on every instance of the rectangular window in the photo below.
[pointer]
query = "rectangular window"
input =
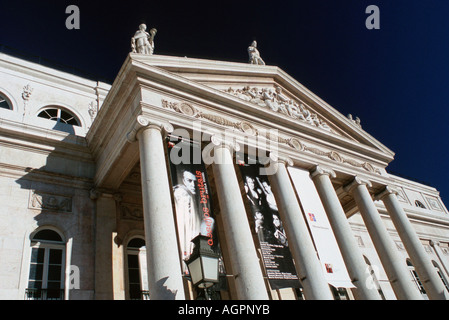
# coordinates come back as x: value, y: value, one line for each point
x: 36, y: 268
x: 46, y: 276
x: 134, y: 277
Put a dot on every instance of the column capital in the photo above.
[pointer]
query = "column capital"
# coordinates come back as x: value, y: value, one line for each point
x: 320, y: 170
x: 94, y: 193
x: 280, y: 158
x: 434, y: 243
x: 143, y: 122
x: 357, y: 182
x: 388, y: 190
x: 218, y: 141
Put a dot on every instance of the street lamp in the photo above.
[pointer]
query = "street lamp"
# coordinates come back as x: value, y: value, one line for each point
x: 203, y: 263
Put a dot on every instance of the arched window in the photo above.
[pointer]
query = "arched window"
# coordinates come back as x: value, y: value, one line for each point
x: 59, y: 115
x: 441, y: 275
x: 47, y: 265
x: 416, y: 279
x: 4, y: 102
x: 136, y: 275
x: 419, y: 204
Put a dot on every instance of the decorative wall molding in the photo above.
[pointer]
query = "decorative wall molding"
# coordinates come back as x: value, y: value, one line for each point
x: 92, y: 110
x: 48, y: 201
x: 26, y: 95
x: 250, y: 130
x: 434, y: 204
x: 130, y: 211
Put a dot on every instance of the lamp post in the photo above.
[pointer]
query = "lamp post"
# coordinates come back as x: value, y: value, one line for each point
x: 203, y: 264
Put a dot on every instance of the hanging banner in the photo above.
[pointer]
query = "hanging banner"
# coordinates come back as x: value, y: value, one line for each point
x: 328, y: 251
x: 192, y: 196
x: 266, y: 223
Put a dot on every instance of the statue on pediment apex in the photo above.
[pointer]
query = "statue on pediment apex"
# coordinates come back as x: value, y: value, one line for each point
x: 143, y: 42
x: 254, y: 54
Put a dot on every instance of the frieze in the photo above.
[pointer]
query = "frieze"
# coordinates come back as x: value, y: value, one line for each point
x: 48, y: 201
x: 249, y: 129
x: 274, y: 99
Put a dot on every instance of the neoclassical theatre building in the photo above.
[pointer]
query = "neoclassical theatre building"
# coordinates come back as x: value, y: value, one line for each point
x: 103, y: 187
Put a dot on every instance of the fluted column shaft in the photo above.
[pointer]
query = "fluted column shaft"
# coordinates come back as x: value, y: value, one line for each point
x: 163, y: 260
x: 308, y: 266
x: 423, y: 266
x: 350, y: 251
x: 249, y: 281
x: 392, y: 262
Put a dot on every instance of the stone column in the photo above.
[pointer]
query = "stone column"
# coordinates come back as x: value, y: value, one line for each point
x: 347, y: 243
x: 423, y: 266
x: 163, y: 260
x: 245, y: 264
x: 309, y: 268
x: 392, y: 262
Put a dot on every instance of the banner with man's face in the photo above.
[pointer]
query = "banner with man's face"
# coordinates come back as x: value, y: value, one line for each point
x: 191, y: 195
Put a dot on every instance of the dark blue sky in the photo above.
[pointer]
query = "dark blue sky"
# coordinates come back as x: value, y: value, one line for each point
x: 396, y: 79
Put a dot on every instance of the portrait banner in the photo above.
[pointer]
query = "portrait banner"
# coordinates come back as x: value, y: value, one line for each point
x: 329, y: 253
x: 191, y: 192
x: 266, y: 223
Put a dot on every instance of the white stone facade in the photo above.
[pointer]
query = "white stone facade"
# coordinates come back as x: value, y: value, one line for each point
x: 87, y: 182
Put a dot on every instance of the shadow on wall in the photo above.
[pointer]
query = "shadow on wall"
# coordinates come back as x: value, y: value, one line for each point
x: 59, y: 199
x: 60, y: 126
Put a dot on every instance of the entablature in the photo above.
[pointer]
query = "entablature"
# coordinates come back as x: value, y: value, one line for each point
x: 156, y: 93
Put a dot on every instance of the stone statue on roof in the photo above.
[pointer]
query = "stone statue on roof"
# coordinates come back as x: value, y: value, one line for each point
x: 143, y: 42
x: 254, y: 55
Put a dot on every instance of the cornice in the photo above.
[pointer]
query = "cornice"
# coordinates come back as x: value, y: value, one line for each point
x: 47, y: 75
x: 41, y: 140
x: 40, y: 175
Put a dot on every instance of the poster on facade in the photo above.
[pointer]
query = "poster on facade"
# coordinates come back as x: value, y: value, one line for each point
x: 191, y: 192
x: 328, y: 251
x: 277, y: 259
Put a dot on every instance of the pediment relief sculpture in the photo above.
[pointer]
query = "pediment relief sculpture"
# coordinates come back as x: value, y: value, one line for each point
x: 275, y: 100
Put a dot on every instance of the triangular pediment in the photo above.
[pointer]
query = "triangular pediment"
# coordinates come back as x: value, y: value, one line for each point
x: 270, y: 89
x: 252, y: 101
